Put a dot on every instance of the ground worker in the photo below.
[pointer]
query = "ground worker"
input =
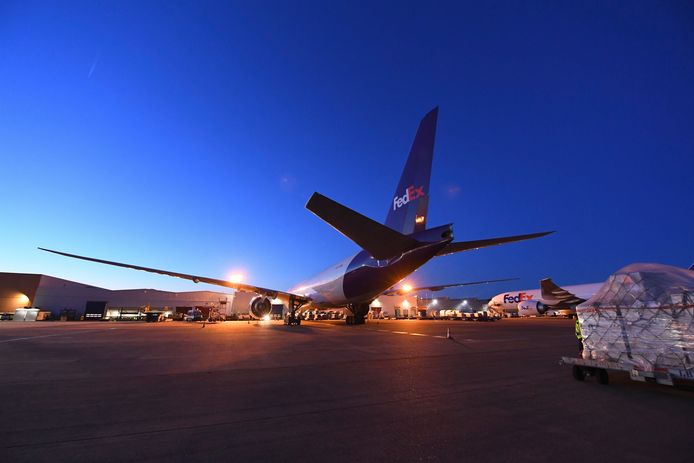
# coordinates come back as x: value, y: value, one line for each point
x: 579, y: 336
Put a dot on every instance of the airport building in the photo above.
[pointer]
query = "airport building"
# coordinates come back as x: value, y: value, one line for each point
x: 28, y: 296
x: 56, y: 298
x: 395, y: 306
x: 434, y: 305
x: 413, y: 306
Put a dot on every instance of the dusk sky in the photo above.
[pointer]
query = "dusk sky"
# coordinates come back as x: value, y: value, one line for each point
x: 189, y: 136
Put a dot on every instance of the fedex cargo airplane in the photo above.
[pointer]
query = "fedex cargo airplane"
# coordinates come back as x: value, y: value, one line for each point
x: 390, y: 251
x: 549, y: 299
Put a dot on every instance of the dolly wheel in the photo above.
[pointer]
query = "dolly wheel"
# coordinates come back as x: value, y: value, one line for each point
x: 578, y: 373
x: 603, y: 378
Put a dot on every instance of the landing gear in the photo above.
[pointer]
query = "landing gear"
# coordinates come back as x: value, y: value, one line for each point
x: 292, y: 318
x: 359, y: 313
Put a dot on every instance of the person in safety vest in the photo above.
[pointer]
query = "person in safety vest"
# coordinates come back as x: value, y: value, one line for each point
x: 579, y: 336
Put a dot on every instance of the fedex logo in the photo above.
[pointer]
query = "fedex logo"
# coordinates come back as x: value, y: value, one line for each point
x: 411, y: 194
x: 516, y: 299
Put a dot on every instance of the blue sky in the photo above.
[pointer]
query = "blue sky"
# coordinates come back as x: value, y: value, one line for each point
x: 189, y: 136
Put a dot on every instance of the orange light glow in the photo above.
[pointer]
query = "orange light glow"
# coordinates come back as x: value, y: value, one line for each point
x: 419, y: 219
x: 236, y: 277
x: 407, y: 288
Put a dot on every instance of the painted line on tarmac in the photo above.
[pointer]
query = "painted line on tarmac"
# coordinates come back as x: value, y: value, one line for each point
x: 411, y: 334
x: 53, y: 335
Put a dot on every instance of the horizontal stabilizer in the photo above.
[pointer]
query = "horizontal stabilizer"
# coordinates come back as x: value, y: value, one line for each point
x: 461, y: 246
x: 401, y: 291
x: 378, y: 240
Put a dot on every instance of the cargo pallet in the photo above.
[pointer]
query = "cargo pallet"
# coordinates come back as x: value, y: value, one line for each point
x: 583, y: 367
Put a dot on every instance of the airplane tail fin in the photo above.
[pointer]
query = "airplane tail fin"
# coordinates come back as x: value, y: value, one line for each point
x: 376, y: 239
x: 555, y: 294
x: 691, y: 267
x: 549, y: 289
x: 408, y: 209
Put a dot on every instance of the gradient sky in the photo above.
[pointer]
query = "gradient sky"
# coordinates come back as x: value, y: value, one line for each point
x: 188, y: 136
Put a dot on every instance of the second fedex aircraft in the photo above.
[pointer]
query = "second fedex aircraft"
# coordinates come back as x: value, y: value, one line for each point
x: 390, y: 251
x: 548, y: 299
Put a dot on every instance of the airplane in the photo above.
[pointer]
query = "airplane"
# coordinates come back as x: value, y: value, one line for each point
x: 548, y: 299
x: 390, y: 251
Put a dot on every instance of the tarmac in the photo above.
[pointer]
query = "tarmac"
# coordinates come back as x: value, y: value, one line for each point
x: 261, y: 391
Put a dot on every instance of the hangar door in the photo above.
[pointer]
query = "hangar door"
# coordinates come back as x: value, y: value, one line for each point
x: 94, y: 310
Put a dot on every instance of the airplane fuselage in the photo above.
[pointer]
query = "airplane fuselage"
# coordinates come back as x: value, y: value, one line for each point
x: 360, y: 278
x: 508, y: 301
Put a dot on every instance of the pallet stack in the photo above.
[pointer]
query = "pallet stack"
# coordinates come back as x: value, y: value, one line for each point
x: 643, y: 315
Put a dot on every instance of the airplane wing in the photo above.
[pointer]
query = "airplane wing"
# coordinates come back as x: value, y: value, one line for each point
x: 401, y: 291
x: 556, y: 295
x: 271, y: 293
x: 461, y: 246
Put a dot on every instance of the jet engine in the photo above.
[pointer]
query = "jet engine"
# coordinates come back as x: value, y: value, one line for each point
x: 531, y: 307
x: 260, y: 307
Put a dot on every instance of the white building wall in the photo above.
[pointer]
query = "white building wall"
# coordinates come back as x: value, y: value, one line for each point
x: 56, y: 294
x: 404, y: 305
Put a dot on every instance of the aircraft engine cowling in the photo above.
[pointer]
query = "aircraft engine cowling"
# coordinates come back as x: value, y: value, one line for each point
x: 531, y: 307
x: 260, y: 307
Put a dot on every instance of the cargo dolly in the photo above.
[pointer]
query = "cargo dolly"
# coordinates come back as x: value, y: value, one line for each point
x: 585, y: 367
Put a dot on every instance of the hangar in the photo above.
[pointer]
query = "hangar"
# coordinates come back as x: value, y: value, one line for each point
x: 69, y: 300
x: 60, y: 299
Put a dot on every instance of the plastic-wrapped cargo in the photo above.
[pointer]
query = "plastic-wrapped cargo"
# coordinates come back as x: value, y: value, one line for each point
x: 642, y: 315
